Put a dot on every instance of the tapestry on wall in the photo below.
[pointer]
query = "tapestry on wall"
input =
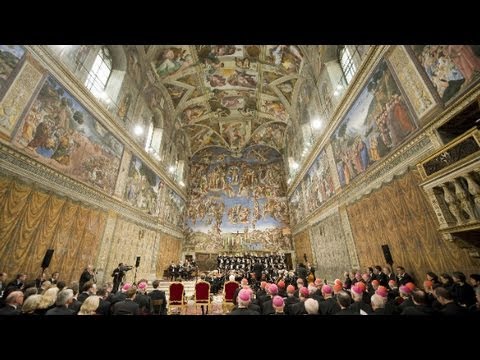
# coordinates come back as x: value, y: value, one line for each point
x: 377, y: 122
x: 237, y: 203
x: 61, y: 133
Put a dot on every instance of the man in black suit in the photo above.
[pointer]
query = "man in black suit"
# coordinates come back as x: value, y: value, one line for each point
x: 64, y: 299
x: 13, y: 304
x: 257, y: 269
x: 18, y: 283
x: 87, y: 275
x: 402, y: 277
x: 127, y: 306
x: 118, y: 275
x: 155, y: 295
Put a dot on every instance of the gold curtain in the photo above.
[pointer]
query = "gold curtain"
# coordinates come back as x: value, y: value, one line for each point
x: 170, y: 249
x: 302, y: 247
x: 32, y: 221
x: 399, y: 215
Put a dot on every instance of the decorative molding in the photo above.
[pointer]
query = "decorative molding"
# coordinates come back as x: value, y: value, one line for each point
x: 27, y: 168
x: 322, y: 215
x: 396, y: 165
x: 375, y: 177
x: 471, y: 164
x: 411, y: 82
x: 105, y: 248
x: 352, y: 250
x: 331, y: 163
x: 123, y: 174
x: 437, y: 207
x: 437, y: 120
x: 453, y: 154
x: 67, y: 79
x: 18, y: 96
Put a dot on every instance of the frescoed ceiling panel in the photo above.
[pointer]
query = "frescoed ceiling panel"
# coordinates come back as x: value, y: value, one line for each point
x: 228, y: 95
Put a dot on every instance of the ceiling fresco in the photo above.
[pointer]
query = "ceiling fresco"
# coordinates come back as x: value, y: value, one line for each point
x: 233, y: 96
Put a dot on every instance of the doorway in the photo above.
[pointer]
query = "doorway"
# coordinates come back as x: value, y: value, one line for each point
x: 288, y: 261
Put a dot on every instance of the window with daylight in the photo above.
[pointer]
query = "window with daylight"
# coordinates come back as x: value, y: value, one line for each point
x: 99, y: 74
x: 348, y: 61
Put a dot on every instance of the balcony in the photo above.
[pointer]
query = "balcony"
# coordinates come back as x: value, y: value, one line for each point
x: 451, y: 180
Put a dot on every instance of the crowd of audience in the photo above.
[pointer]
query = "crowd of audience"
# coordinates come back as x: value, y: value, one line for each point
x: 375, y: 292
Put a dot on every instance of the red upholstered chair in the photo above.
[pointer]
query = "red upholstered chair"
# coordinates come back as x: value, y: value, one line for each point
x: 202, y: 294
x: 228, y: 293
x: 176, y: 297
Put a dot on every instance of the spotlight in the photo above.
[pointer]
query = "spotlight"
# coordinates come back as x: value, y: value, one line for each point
x: 316, y: 123
x: 138, y: 130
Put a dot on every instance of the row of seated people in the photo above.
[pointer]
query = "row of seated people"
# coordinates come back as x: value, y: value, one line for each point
x: 55, y: 300
x: 217, y: 278
x: 182, y: 271
x: 461, y: 289
x: 250, y: 263
x: 360, y: 299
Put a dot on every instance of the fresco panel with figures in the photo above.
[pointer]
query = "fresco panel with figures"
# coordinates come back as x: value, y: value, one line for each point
x: 61, y: 133
x: 237, y: 202
x: 378, y: 121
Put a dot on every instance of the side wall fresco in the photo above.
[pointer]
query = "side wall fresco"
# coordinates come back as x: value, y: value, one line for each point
x: 377, y: 135
x: 57, y: 149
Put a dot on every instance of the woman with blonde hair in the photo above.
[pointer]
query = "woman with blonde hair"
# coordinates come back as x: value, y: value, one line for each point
x: 31, y: 304
x: 47, y: 301
x: 90, y: 305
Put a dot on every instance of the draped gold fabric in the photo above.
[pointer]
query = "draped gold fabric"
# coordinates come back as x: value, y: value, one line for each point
x: 400, y: 216
x: 303, y: 247
x: 32, y: 221
x: 170, y: 249
x: 129, y: 241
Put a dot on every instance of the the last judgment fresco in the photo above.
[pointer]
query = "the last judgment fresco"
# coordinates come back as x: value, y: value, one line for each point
x: 237, y: 202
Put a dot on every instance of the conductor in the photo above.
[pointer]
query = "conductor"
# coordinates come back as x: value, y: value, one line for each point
x: 118, y: 275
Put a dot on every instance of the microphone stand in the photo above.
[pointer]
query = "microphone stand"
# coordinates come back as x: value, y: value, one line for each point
x: 135, y: 276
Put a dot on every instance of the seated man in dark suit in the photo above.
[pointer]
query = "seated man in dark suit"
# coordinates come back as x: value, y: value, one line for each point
x: 64, y: 299
x: 13, y: 304
x: 159, y: 307
x: 127, y: 306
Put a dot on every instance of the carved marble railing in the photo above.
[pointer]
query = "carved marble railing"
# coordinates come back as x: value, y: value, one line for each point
x: 452, y: 183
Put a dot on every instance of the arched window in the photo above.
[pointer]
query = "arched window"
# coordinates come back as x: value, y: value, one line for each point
x: 347, y: 61
x: 100, y: 72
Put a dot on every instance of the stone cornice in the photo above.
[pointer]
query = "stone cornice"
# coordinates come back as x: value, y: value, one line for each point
x: 19, y: 165
x: 63, y: 75
x: 434, y: 121
x: 395, y: 165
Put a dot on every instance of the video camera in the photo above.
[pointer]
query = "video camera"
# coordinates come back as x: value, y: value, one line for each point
x: 126, y: 268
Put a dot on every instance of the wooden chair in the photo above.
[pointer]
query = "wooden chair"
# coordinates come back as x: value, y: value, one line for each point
x: 228, y: 292
x: 202, y: 294
x: 158, y: 307
x: 176, y: 297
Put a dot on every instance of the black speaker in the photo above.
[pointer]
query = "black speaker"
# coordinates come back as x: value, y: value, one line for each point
x: 137, y: 264
x: 47, y: 258
x: 387, y: 254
